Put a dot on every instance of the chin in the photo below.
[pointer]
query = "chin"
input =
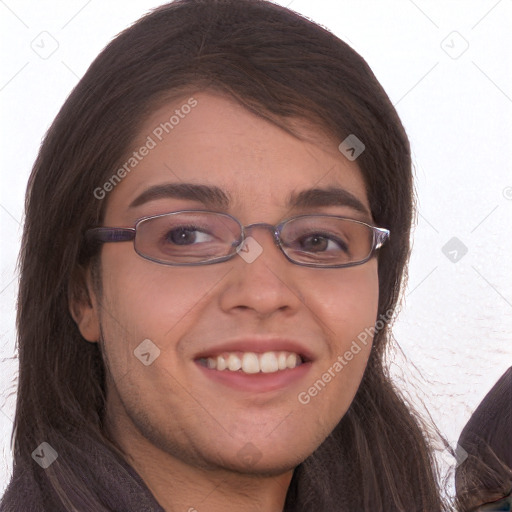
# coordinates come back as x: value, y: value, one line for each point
x: 262, y: 457
x: 269, y: 466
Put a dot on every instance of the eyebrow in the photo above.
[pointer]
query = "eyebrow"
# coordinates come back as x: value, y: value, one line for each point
x: 210, y: 196
x: 215, y: 197
x: 330, y: 196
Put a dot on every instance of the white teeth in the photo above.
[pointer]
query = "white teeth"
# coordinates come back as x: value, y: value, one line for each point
x: 221, y: 363
x: 281, y: 360
x: 268, y: 362
x: 250, y: 362
x: 234, y: 362
x: 292, y: 360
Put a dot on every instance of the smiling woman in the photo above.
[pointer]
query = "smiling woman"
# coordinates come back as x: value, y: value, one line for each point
x: 236, y: 268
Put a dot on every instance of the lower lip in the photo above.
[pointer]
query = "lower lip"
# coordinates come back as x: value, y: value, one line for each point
x: 257, y: 382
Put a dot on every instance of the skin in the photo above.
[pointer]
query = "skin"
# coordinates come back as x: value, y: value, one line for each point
x: 181, y: 431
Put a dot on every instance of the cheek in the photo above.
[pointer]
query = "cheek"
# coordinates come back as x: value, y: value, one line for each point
x: 346, y: 304
x: 346, y: 301
x: 146, y: 301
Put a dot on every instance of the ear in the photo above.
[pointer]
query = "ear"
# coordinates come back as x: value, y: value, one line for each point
x: 83, y: 304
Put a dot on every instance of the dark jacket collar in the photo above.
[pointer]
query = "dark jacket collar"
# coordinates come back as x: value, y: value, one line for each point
x: 105, y: 475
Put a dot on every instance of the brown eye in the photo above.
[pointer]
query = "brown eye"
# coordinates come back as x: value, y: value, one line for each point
x: 322, y: 242
x: 187, y: 236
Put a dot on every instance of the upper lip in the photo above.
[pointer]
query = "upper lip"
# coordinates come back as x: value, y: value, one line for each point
x: 258, y: 345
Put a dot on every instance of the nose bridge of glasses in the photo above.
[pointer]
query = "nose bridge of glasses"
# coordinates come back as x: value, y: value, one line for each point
x: 265, y: 226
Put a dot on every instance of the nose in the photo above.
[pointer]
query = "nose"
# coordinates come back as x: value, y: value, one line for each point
x: 263, y: 285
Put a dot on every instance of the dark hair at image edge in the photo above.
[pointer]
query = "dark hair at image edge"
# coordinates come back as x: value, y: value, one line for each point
x: 282, y: 67
x: 487, y: 471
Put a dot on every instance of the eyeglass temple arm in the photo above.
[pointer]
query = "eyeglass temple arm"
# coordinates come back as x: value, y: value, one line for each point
x: 381, y: 235
x: 110, y: 234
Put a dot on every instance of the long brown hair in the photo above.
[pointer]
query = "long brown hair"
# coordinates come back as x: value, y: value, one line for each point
x: 281, y: 66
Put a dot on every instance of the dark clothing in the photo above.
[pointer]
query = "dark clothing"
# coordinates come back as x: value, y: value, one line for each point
x: 490, y: 426
x: 486, y: 471
x: 115, y: 485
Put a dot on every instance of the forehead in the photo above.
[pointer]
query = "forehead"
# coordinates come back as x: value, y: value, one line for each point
x: 209, y: 139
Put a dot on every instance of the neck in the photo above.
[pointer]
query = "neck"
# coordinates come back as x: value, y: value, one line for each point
x: 181, y: 486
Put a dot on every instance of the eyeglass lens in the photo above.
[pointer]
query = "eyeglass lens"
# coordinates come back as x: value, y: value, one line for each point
x: 194, y: 237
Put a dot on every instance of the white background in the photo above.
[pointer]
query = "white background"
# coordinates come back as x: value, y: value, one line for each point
x: 456, y: 104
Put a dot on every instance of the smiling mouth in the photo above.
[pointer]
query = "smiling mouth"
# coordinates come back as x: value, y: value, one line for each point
x: 252, y: 363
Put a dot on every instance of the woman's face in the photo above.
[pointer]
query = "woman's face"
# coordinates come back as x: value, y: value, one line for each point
x: 159, y: 394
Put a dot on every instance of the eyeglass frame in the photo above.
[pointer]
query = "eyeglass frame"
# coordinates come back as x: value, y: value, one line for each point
x: 119, y: 234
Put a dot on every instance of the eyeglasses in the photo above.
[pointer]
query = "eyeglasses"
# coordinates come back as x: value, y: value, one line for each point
x: 198, y: 237
x: 501, y: 505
